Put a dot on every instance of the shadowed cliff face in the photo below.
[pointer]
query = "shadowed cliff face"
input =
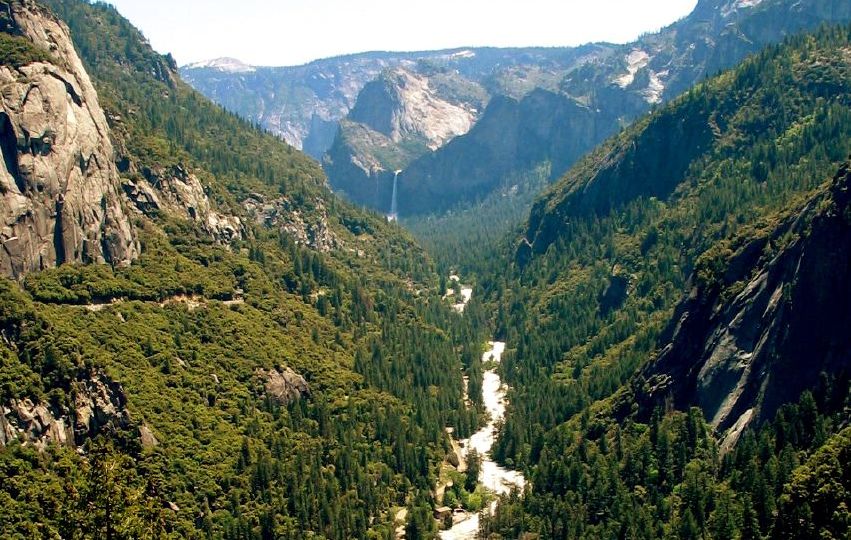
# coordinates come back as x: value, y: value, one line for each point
x: 650, y: 164
x: 761, y: 332
x: 512, y: 137
x: 59, y: 189
x: 661, y: 152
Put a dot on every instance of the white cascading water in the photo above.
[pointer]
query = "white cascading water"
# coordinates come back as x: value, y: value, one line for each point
x: 394, y: 213
x: 495, y: 478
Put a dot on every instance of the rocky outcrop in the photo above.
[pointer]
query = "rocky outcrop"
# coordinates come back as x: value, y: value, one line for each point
x: 402, y: 115
x: 404, y: 104
x: 147, y: 437
x: 307, y: 225
x: 178, y: 192
x: 753, y: 338
x: 60, y: 198
x: 36, y: 423
x: 99, y: 406
x: 358, y: 175
x: 284, y: 387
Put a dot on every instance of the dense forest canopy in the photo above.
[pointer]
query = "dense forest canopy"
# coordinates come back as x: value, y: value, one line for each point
x: 305, y: 376
x: 186, y: 328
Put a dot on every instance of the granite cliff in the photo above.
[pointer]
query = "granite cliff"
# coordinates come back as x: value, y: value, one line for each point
x: 61, y: 195
x: 398, y: 117
x: 602, y: 93
x: 767, y: 326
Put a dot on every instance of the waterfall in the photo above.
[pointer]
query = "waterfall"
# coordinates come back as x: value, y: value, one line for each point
x: 394, y: 213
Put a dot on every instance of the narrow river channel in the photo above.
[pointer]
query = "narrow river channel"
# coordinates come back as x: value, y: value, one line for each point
x: 495, y: 478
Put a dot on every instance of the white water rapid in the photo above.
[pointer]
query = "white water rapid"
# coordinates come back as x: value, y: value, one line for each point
x: 495, y: 478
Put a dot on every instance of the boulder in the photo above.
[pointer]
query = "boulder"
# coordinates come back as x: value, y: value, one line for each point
x: 146, y: 437
x: 283, y: 386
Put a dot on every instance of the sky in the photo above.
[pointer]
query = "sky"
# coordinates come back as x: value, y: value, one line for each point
x: 292, y: 32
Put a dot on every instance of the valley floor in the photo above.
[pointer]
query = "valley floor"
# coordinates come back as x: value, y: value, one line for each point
x: 492, y: 476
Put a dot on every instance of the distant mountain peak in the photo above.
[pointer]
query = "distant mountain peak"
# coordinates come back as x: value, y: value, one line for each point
x: 726, y: 7
x: 225, y: 64
x: 739, y: 4
x: 464, y: 53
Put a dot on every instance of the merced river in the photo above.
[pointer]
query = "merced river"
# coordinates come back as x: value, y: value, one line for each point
x: 495, y: 478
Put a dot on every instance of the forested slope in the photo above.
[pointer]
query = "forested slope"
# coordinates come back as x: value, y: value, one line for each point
x: 276, y: 363
x: 724, y: 185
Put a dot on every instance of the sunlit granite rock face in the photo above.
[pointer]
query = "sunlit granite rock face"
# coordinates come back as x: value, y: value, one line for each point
x: 59, y: 188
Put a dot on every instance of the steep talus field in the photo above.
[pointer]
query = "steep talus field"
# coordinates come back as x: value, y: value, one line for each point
x: 639, y: 411
x: 274, y: 362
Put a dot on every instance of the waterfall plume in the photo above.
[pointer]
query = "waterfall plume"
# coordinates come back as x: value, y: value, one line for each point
x: 394, y: 212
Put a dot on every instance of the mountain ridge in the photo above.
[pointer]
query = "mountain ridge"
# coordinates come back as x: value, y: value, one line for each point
x: 334, y: 84
x: 678, y: 328
x: 604, y: 97
x: 600, y: 77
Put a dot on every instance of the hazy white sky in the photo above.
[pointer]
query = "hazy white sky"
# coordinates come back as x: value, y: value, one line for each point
x: 288, y: 32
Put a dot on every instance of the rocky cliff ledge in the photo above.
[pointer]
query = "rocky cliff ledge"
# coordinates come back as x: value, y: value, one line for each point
x: 99, y: 406
x: 768, y: 315
x: 60, y: 195
x: 178, y: 191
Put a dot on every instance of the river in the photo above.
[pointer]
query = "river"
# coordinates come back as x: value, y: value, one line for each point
x: 495, y: 478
